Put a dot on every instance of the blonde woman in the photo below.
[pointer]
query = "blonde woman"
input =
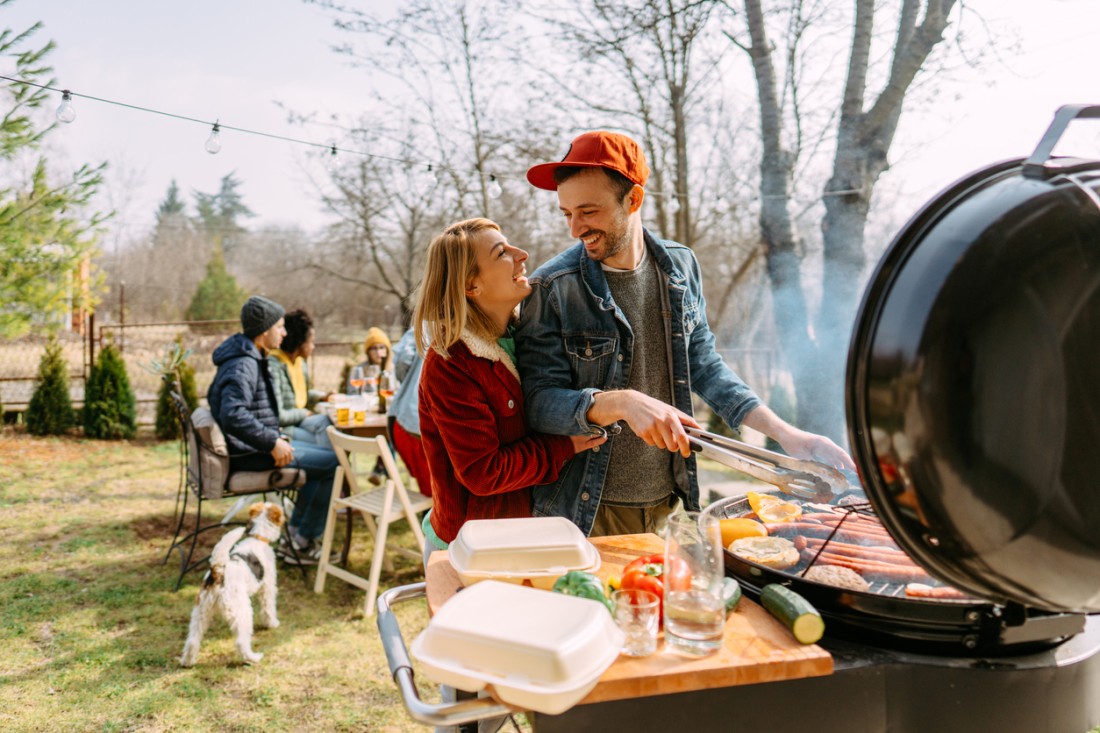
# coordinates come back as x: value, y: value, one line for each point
x: 482, y: 457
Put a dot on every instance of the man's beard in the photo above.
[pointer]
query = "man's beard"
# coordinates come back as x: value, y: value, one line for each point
x: 614, y: 242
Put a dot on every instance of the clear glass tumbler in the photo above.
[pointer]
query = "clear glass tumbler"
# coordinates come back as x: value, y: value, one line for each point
x: 694, y: 611
x: 638, y: 613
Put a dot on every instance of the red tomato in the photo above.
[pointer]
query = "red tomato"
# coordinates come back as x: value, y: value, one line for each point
x: 648, y: 573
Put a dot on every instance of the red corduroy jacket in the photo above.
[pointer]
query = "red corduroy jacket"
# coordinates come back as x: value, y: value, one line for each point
x: 481, y: 455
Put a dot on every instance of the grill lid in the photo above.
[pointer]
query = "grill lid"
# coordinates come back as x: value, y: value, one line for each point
x: 973, y: 385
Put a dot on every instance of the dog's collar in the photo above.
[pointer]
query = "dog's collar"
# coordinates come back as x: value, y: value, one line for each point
x: 265, y: 540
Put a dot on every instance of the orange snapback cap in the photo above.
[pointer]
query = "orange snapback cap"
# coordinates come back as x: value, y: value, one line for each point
x: 597, y: 149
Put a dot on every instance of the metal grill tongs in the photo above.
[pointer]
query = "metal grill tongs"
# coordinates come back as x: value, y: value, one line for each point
x: 807, y: 480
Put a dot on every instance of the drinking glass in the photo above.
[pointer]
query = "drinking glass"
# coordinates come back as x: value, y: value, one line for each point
x: 387, y: 383
x: 373, y: 370
x: 341, y: 410
x: 694, y: 611
x: 386, y: 386
x: 637, y: 612
x: 357, y: 379
x: 359, y: 410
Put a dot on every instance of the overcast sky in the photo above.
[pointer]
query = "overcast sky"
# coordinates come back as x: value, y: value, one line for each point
x: 231, y: 59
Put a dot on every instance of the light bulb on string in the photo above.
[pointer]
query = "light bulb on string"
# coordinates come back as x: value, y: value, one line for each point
x: 332, y: 160
x: 494, y: 187
x: 425, y: 180
x: 214, y: 142
x: 65, y: 111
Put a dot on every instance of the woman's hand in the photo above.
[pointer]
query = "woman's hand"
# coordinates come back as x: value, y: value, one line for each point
x: 584, y: 442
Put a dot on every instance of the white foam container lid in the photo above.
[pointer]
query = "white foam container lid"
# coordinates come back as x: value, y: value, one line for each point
x: 524, y: 548
x: 541, y: 651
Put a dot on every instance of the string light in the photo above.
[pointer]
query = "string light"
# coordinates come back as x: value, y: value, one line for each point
x: 494, y: 187
x: 214, y: 142
x: 65, y: 111
x: 332, y: 160
x: 425, y: 180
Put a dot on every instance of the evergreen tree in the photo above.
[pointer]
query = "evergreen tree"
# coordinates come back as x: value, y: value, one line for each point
x: 44, y: 236
x: 171, y: 217
x: 219, y: 214
x: 50, y: 411
x: 218, y: 296
x: 109, y: 406
x: 172, y: 205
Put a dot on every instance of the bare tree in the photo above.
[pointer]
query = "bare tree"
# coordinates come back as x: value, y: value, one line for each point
x: 446, y: 84
x: 385, y: 214
x: 657, y: 66
x: 661, y: 66
x: 866, y: 122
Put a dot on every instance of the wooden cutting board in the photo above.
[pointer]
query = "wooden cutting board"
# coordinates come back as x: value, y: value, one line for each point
x: 756, y: 647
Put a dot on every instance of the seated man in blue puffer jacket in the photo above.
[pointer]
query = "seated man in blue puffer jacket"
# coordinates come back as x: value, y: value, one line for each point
x: 242, y: 400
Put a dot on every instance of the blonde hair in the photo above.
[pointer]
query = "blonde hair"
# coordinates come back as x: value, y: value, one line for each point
x: 442, y: 309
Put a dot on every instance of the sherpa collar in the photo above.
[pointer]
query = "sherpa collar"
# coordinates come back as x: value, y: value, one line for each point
x: 486, y: 349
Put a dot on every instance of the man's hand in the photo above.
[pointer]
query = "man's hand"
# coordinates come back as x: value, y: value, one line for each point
x: 809, y: 446
x: 659, y: 424
x: 798, y: 443
x: 282, y: 453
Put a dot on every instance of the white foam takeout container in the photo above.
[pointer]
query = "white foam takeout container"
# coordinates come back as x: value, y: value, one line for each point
x: 540, y: 651
x: 535, y: 549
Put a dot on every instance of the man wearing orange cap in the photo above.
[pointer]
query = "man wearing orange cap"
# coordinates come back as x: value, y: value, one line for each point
x: 615, y: 329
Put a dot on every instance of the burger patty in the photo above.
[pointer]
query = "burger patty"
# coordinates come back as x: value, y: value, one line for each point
x: 837, y: 576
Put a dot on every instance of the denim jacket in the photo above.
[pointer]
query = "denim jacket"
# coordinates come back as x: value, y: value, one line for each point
x: 573, y: 341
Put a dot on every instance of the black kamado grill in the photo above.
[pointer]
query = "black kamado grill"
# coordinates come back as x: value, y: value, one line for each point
x: 973, y: 405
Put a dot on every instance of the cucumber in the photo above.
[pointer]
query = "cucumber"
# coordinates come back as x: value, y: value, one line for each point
x: 796, y: 613
x: 731, y: 593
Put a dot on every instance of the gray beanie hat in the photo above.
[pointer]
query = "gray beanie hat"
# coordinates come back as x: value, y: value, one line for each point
x: 259, y: 314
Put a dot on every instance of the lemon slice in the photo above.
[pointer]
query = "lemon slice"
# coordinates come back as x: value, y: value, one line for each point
x: 771, y: 508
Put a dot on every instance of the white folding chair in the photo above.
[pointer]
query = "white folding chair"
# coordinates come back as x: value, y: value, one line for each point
x: 377, y: 507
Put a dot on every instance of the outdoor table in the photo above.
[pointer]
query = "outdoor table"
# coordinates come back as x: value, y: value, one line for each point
x: 372, y: 426
x: 756, y: 648
x: 762, y: 678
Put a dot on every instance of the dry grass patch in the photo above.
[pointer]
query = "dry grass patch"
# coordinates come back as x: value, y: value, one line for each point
x: 91, y: 630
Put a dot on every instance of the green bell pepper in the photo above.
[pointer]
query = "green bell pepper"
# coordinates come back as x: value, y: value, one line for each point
x: 583, y: 585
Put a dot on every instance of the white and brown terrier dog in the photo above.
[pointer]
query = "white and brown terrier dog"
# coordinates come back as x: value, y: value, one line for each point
x: 242, y: 564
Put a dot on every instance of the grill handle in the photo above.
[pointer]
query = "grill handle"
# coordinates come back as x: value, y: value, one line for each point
x: 397, y: 656
x: 1040, y: 165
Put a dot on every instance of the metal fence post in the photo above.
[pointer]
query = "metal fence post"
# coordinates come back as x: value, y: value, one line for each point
x: 90, y: 350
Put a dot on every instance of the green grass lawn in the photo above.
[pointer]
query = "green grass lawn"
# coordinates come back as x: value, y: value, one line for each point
x: 91, y: 631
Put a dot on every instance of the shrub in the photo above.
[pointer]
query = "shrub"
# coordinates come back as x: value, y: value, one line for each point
x: 50, y: 411
x: 172, y: 367
x: 168, y: 424
x: 109, y: 405
x: 217, y: 297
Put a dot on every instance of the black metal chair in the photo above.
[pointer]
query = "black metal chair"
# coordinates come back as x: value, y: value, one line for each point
x: 205, y: 474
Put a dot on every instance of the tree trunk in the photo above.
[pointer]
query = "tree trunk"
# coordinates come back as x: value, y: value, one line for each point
x: 783, y: 252
x: 863, y: 144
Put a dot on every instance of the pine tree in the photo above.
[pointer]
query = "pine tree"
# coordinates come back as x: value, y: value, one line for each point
x: 172, y: 220
x: 109, y: 406
x: 219, y: 214
x: 218, y: 296
x: 50, y: 411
